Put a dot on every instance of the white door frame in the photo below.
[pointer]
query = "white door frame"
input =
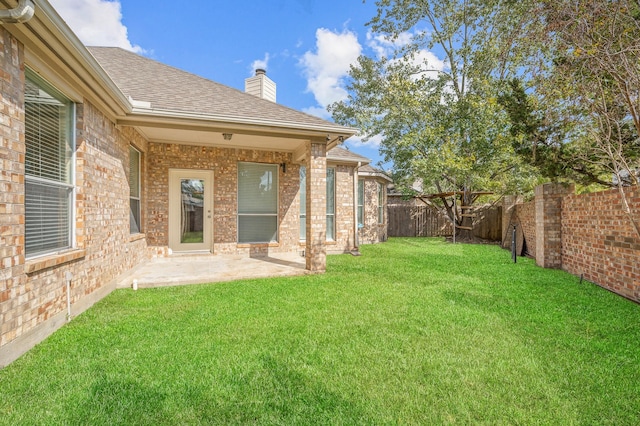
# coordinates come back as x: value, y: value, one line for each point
x: 175, y: 210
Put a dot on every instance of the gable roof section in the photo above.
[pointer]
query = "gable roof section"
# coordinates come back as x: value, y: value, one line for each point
x: 154, y: 87
x: 370, y: 171
x: 342, y: 155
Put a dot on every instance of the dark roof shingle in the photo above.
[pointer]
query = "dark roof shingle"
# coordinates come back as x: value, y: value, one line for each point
x: 171, y: 89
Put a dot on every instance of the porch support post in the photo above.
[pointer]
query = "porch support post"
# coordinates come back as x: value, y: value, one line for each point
x: 316, y: 251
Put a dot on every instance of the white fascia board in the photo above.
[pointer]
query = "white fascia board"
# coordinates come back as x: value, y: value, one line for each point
x: 333, y: 130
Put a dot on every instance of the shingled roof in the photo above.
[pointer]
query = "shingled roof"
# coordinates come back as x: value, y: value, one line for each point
x: 160, y: 87
x: 340, y: 154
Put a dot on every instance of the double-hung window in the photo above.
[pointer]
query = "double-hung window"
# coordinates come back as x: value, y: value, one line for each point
x: 303, y: 203
x: 134, y: 190
x: 257, y: 203
x: 49, y: 190
x: 331, y: 203
x: 360, y: 203
x: 380, y: 203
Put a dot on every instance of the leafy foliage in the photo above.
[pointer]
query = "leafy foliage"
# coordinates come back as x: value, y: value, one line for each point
x: 443, y: 124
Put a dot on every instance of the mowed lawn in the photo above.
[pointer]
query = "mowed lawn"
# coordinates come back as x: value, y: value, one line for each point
x: 415, y: 331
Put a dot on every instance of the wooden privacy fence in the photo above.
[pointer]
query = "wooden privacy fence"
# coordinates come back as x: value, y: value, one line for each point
x: 424, y: 221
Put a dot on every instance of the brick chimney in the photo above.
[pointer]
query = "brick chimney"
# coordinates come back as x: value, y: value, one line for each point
x: 261, y: 86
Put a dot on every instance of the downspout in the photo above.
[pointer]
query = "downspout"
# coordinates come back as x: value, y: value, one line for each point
x: 19, y: 14
x: 68, y: 277
x: 355, y: 251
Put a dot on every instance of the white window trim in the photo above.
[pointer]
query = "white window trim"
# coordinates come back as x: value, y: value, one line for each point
x: 139, y: 198
x: 332, y: 214
x: 277, y: 214
x: 73, y: 244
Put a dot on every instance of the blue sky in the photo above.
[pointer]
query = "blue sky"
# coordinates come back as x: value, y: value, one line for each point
x: 306, y: 46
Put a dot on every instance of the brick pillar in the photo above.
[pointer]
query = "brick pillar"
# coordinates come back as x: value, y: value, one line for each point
x: 316, y: 251
x: 509, y: 203
x: 549, y: 223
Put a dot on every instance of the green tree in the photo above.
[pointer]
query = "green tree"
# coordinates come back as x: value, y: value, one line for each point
x: 442, y: 123
x: 591, y: 83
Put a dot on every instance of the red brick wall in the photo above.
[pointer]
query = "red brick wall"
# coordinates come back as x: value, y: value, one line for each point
x: 599, y: 241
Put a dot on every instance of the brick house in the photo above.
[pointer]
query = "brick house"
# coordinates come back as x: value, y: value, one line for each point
x: 109, y: 159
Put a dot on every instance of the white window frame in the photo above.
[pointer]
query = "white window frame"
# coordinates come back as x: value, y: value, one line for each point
x: 331, y: 215
x: 380, y: 203
x: 132, y: 198
x: 68, y: 185
x: 360, y: 202
x: 303, y: 203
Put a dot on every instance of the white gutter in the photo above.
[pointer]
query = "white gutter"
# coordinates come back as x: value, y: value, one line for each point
x: 19, y: 14
x: 139, y: 114
x: 227, y: 119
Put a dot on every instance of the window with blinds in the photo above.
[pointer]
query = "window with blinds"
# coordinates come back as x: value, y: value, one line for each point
x: 360, y: 203
x: 257, y: 203
x: 49, y: 118
x: 303, y: 203
x: 380, y: 203
x: 331, y: 204
x: 134, y: 190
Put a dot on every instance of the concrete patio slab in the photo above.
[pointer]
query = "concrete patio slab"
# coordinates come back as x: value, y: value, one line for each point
x: 184, y: 269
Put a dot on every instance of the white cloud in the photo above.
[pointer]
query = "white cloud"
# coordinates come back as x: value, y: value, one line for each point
x: 385, y: 47
x: 371, y: 142
x: 96, y: 22
x: 326, y: 68
x: 261, y: 64
x: 320, y: 112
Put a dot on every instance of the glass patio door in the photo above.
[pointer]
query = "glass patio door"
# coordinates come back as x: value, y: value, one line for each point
x: 190, y: 210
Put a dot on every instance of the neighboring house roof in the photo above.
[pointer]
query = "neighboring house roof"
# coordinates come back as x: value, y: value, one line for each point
x: 342, y: 155
x: 155, y: 86
x: 367, y: 170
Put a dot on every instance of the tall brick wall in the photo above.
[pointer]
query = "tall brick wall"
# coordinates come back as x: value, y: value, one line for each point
x: 585, y: 234
x: 548, y: 223
x: 600, y: 242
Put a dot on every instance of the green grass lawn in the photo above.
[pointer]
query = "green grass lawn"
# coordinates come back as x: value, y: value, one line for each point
x: 415, y: 331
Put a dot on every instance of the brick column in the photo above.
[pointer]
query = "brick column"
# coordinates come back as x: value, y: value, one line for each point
x: 549, y: 223
x: 316, y: 251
